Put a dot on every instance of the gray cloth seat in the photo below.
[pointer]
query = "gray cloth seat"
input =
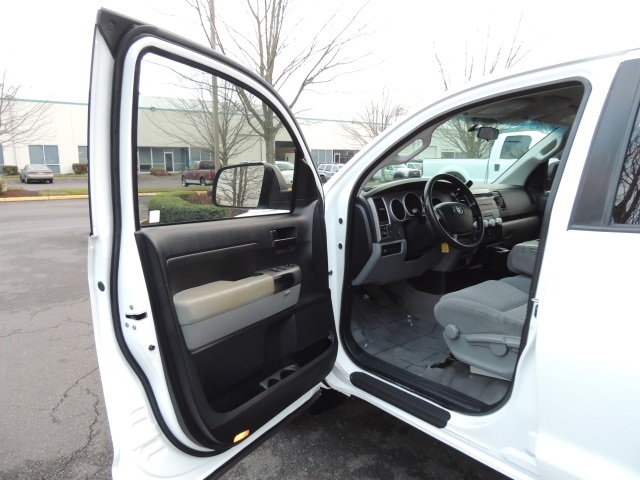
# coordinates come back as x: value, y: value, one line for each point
x: 483, y: 323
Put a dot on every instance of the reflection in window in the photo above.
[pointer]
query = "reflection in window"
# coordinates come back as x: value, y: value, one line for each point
x: 515, y: 146
x: 626, y: 209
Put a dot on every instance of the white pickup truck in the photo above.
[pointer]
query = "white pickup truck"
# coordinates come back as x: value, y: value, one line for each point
x: 501, y: 318
x: 502, y: 153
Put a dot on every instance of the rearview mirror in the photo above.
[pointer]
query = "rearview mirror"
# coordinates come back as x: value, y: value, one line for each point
x: 488, y: 133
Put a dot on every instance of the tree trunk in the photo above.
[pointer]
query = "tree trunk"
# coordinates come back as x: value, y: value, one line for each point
x: 269, y: 136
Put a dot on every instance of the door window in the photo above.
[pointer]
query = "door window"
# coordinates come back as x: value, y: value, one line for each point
x: 190, y: 108
x: 626, y: 209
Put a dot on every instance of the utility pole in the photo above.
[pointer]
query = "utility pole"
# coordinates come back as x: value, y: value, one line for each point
x: 216, y: 111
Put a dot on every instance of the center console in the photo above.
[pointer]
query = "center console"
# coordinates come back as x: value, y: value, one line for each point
x: 490, y: 216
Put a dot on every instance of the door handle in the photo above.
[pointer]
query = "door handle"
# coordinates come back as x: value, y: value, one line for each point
x: 283, y: 239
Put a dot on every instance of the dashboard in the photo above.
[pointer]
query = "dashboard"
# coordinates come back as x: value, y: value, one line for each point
x: 392, y: 239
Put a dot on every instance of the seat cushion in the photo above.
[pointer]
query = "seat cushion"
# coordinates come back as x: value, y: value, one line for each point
x: 489, y: 307
x: 521, y: 282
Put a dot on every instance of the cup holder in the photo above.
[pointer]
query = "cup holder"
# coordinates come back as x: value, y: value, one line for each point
x: 278, y: 376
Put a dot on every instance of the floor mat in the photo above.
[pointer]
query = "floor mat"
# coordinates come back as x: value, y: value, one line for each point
x: 414, y: 343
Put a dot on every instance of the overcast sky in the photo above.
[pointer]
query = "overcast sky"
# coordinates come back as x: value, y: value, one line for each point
x: 45, y: 46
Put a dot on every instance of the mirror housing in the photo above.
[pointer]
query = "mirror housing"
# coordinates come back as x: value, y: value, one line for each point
x: 251, y: 185
x: 488, y: 133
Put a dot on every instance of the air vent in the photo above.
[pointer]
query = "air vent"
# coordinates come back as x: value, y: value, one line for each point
x: 381, y: 210
x: 499, y: 201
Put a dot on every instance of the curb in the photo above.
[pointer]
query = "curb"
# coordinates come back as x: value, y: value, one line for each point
x: 67, y: 197
x: 41, y: 198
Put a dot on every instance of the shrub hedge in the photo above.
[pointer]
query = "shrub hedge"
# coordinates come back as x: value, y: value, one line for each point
x: 3, y: 186
x: 79, y: 168
x: 175, y: 207
x: 159, y: 172
x: 10, y: 170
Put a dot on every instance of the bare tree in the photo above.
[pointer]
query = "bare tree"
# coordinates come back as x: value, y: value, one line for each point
x: 20, y: 120
x: 489, y: 57
x: 482, y: 57
x: 240, y: 187
x: 218, y: 126
x: 270, y: 50
x: 377, y: 116
x: 460, y: 134
x: 627, y: 204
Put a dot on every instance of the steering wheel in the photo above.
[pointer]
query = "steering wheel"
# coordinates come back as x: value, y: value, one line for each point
x: 454, y: 222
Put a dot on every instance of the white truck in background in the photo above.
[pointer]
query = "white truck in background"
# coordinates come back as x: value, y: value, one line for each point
x: 506, y: 149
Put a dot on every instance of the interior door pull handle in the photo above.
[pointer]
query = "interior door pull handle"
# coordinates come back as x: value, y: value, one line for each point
x: 283, y: 239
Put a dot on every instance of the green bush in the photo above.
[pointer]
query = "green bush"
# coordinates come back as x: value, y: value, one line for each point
x: 3, y: 186
x: 176, y: 208
x: 10, y: 170
x: 158, y: 172
x: 79, y: 168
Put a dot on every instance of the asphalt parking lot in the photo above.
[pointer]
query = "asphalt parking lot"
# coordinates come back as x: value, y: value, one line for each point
x: 54, y: 423
x: 73, y: 181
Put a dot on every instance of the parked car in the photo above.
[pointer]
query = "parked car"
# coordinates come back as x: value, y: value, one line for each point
x: 36, y: 173
x: 415, y: 166
x: 199, y: 173
x: 286, y: 169
x: 499, y: 318
x: 328, y: 170
x: 397, y: 172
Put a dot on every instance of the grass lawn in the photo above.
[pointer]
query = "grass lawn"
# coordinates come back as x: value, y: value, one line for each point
x: 21, y: 192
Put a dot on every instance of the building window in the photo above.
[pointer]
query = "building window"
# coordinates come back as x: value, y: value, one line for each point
x: 45, y: 155
x: 150, y: 157
x: 322, y: 156
x: 199, y: 154
x: 169, y: 159
x: 626, y: 209
x: 453, y: 155
x: 82, y: 155
x: 343, y: 156
x: 180, y: 158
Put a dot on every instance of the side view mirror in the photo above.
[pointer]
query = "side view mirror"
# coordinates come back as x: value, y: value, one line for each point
x: 250, y: 185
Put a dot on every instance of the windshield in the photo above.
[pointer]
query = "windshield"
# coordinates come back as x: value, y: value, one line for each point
x: 456, y: 149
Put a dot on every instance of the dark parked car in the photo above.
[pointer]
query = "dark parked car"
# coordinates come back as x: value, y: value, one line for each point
x: 39, y: 173
x: 199, y: 173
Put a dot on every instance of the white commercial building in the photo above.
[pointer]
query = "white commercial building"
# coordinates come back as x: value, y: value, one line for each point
x: 61, y: 140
